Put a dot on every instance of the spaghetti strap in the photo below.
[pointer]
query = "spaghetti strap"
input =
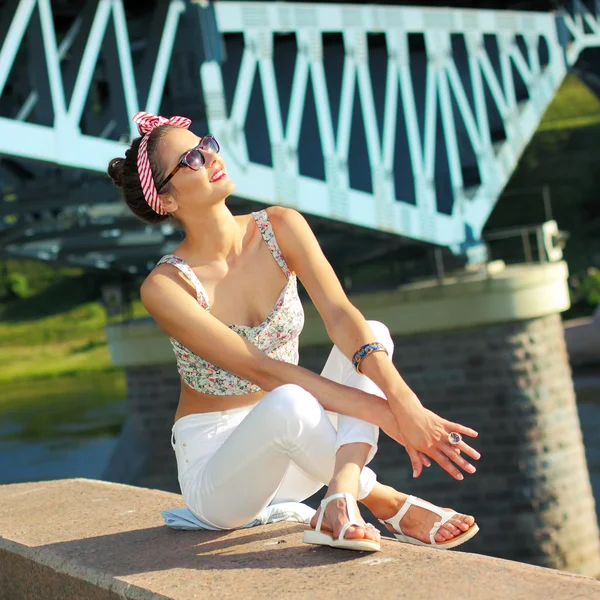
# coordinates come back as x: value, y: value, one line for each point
x: 201, y: 294
x: 266, y: 230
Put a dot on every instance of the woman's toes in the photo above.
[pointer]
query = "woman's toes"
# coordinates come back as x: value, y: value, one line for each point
x: 459, y: 523
x: 445, y: 531
x: 453, y: 530
x: 372, y: 533
x: 441, y: 536
x: 463, y: 522
x: 354, y: 532
x: 467, y: 521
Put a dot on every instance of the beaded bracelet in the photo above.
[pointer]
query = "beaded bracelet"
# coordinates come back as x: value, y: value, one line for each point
x: 364, y: 351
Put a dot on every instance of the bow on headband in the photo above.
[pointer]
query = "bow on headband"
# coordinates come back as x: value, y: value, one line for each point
x: 146, y: 123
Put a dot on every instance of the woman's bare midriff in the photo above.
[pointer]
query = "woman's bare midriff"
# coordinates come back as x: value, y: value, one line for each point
x: 192, y: 402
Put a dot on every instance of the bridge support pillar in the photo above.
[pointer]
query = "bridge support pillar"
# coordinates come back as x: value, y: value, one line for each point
x: 489, y: 352
x: 143, y: 455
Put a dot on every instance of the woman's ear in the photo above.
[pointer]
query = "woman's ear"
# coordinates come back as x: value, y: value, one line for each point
x: 168, y: 202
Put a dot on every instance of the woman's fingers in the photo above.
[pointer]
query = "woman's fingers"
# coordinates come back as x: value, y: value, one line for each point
x: 425, y: 460
x: 415, y: 460
x: 461, y: 429
x: 462, y: 445
x: 446, y: 464
x: 453, y: 454
x: 449, y: 458
x: 468, y: 450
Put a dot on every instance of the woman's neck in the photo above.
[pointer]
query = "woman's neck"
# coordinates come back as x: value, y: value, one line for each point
x: 215, y: 235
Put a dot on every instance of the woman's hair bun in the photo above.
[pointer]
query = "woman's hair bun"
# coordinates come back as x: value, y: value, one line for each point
x: 115, y: 170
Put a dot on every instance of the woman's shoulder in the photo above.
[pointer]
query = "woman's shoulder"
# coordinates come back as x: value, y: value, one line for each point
x: 284, y: 219
x: 154, y: 277
x: 162, y: 270
x: 162, y: 266
x: 294, y: 234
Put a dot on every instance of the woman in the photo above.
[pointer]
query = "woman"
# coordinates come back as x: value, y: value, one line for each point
x: 251, y: 427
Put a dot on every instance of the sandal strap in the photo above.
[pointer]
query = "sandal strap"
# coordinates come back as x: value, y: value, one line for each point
x: 395, y: 520
x: 445, y: 516
x: 349, y: 510
x: 346, y: 527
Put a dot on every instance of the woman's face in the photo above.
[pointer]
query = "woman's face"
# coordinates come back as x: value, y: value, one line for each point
x: 209, y: 184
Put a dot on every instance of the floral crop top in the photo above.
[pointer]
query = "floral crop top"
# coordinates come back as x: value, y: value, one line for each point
x: 277, y: 336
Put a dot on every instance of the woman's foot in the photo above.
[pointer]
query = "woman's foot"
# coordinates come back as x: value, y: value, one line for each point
x: 385, y: 502
x: 349, y: 461
x: 336, y: 516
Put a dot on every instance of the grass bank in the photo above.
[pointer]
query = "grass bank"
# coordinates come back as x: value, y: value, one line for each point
x: 574, y: 106
x: 60, y: 358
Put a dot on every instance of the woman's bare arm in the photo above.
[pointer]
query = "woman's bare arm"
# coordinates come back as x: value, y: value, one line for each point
x: 423, y: 432
x: 178, y: 314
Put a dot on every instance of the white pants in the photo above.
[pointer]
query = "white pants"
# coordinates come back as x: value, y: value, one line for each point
x: 233, y: 463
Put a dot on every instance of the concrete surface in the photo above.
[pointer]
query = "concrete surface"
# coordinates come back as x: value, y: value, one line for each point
x: 79, y: 538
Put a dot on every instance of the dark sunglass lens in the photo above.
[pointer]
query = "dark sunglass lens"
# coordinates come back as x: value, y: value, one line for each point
x: 194, y: 159
x: 209, y: 144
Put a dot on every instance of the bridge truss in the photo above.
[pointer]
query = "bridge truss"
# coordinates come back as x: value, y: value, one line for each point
x: 398, y: 123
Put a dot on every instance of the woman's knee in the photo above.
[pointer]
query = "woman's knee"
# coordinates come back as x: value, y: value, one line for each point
x: 292, y: 402
x: 382, y: 335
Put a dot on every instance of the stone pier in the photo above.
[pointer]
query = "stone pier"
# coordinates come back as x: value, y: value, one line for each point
x: 483, y: 349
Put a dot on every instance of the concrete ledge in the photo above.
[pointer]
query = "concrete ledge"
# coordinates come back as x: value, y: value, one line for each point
x: 516, y: 293
x: 79, y: 538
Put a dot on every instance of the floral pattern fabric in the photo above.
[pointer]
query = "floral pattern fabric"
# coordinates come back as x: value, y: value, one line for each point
x: 277, y: 336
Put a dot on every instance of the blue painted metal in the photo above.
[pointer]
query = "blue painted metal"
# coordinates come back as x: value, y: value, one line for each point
x: 447, y: 99
x: 447, y: 104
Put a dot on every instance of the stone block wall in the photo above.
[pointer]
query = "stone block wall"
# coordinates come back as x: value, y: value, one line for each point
x: 512, y: 383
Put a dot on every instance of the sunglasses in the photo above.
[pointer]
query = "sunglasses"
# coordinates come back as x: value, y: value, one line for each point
x: 194, y: 158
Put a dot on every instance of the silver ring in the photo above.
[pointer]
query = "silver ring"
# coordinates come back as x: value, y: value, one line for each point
x: 454, y: 438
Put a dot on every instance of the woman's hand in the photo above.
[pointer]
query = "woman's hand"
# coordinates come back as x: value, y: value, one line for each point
x: 425, y: 434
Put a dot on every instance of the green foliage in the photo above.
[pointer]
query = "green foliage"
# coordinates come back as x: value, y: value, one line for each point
x: 38, y: 274
x: 17, y: 286
x: 59, y: 296
x: 574, y: 105
x: 587, y: 288
x: 81, y: 322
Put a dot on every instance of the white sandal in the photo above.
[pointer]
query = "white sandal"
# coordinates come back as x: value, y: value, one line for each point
x: 325, y: 538
x: 445, y: 516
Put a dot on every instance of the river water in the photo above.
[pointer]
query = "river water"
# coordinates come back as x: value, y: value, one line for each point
x: 40, y: 444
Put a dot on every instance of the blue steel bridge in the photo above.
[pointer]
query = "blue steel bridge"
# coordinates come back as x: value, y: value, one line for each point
x: 393, y: 128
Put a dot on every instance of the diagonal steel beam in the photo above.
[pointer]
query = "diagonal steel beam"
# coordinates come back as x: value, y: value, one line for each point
x: 14, y: 35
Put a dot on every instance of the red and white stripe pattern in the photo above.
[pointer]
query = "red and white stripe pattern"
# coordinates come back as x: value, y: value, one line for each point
x: 146, y: 123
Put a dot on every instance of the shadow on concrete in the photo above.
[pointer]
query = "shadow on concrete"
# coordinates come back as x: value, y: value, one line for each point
x: 161, y: 549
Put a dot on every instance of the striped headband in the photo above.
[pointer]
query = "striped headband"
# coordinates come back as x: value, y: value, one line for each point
x: 146, y: 123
